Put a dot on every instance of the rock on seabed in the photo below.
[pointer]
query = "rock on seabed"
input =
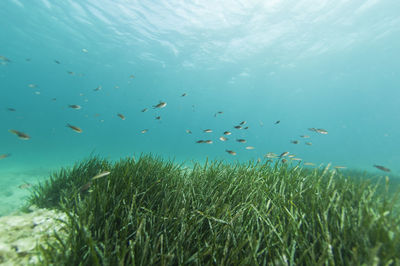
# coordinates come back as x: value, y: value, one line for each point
x: 21, y: 233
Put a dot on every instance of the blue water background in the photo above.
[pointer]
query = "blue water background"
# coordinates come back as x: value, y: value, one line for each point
x: 324, y: 64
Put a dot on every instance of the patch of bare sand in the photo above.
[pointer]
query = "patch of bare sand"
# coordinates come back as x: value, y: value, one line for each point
x: 21, y: 232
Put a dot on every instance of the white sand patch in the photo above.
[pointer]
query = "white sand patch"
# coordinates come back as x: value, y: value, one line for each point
x: 20, y: 233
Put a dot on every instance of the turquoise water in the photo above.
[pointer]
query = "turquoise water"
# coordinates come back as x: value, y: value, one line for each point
x: 325, y: 64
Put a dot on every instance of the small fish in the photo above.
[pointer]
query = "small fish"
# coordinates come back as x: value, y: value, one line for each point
x: 242, y: 123
x: 382, y: 168
x: 227, y: 133
x: 321, y: 131
x: 297, y: 159
x: 11, y: 109
x: 200, y: 141
x: 71, y: 73
x: 294, y: 142
x: 57, y: 62
x: 116, y: 87
x: 250, y: 148
x: 132, y: 76
x: 144, y: 110
x: 271, y: 155
x: 121, y: 116
x: 37, y: 92
x: 74, y: 128
x: 283, y: 154
x: 160, y: 105
x: 231, y: 152
x: 54, y: 99
x: 20, y: 134
x: 25, y: 186
x: 238, y: 127
x: 27, y: 59
x: 32, y: 85
x: 284, y: 160
x: 277, y: 122
x: 74, y: 106
x: 308, y: 143
x: 340, y: 167
x: 223, y: 138
x: 218, y: 113
x: 184, y: 94
x: 305, y: 136
x: 85, y: 186
x: 208, y: 141
x: 157, y: 118
x: 309, y: 164
x: 105, y: 173
x: 291, y: 156
x: 241, y: 140
x: 144, y: 131
x: 3, y: 156
x: 85, y: 50
x: 188, y: 131
x: 246, y: 128
x: 258, y: 160
x: 5, y: 59
x: 98, y: 88
x: 207, y: 130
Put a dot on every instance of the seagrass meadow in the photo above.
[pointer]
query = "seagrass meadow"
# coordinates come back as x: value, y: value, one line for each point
x: 150, y: 211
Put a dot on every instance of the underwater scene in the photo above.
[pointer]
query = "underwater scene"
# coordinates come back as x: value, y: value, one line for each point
x: 242, y: 132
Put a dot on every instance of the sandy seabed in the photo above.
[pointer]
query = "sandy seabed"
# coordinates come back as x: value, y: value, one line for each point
x: 20, y: 233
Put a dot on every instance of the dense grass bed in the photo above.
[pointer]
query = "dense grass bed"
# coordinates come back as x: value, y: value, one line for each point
x: 152, y: 212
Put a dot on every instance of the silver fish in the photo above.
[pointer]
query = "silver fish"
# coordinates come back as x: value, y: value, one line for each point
x: 160, y: 105
x: 105, y: 173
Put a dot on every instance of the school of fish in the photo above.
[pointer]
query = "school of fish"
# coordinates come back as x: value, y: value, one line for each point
x: 221, y: 135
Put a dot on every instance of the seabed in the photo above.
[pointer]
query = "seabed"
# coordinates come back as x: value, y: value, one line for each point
x: 20, y: 233
x: 154, y: 212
